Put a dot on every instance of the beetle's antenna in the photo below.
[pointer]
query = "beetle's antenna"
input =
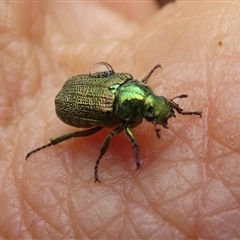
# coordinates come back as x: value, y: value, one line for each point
x: 180, y: 96
x: 180, y: 110
x: 144, y: 80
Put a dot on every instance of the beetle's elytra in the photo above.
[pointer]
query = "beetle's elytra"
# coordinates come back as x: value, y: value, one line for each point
x: 108, y: 99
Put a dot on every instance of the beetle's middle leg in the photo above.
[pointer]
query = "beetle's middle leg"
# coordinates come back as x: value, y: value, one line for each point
x: 104, y: 148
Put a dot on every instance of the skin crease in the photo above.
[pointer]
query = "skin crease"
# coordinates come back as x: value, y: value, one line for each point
x: 188, y: 185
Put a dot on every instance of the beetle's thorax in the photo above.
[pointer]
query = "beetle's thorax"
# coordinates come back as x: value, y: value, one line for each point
x: 129, y: 101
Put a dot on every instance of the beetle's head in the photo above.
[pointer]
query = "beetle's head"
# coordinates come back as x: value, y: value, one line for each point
x: 157, y: 110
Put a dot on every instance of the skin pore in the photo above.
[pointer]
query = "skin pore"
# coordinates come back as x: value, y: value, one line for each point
x: 189, y: 180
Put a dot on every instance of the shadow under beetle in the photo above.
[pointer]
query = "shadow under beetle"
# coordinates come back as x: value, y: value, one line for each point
x: 109, y: 99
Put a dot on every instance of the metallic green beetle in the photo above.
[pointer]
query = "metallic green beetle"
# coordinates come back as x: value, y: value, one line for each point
x: 108, y: 99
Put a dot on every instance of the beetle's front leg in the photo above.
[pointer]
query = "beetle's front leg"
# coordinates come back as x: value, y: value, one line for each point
x: 104, y: 148
x: 130, y: 135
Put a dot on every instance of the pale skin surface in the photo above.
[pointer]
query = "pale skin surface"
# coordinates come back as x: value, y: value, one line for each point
x: 188, y: 185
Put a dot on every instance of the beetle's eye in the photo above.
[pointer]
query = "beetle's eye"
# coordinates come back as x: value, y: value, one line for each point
x: 150, y: 113
x: 101, y: 69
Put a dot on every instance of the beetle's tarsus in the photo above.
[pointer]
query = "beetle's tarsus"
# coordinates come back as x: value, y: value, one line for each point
x: 157, y: 130
x: 37, y: 149
x: 96, y: 169
x: 138, y: 163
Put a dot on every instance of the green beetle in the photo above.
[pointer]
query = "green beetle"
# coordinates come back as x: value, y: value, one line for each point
x: 108, y: 99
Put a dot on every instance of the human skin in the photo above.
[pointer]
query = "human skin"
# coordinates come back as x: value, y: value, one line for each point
x: 188, y: 185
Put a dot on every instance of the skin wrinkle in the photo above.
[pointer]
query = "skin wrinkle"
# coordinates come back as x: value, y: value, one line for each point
x: 230, y: 190
x: 107, y: 225
x: 169, y: 219
x: 178, y: 196
x: 218, y: 210
x: 166, y: 220
x: 133, y: 225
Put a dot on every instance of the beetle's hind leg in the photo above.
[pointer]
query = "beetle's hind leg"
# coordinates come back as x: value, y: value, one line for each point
x: 54, y: 141
x: 104, y: 148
